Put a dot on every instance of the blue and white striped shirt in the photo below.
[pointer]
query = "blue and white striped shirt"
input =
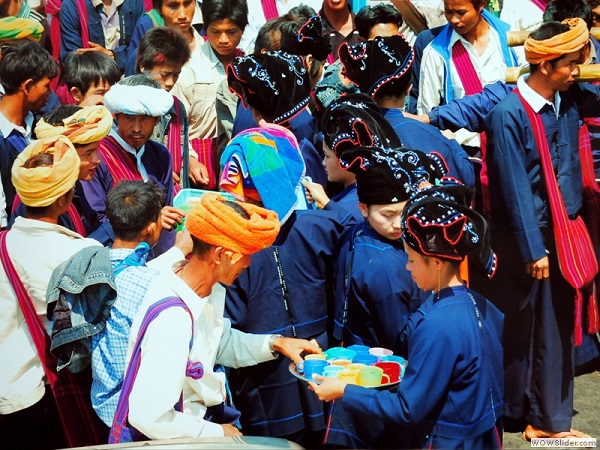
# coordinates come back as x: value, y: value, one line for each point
x: 109, y: 347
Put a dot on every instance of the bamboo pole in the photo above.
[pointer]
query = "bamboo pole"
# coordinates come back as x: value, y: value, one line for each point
x: 587, y: 72
x: 516, y: 38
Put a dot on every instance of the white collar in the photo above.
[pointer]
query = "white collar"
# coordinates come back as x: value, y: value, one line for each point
x: 129, y: 149
x: 535, y: 100
x: 33, y: 226
x: 7, y: 127
x: 115, y: 3
x: 457, y: 37
x: 209, y: 54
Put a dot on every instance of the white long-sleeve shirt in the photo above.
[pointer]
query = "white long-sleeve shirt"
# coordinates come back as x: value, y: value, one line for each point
x: 165, y: 352
x: 197, y: 86
x: 490, y: 67
x: 36, y: 248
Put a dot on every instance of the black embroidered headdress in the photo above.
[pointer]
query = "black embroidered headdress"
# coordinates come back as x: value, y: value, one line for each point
x: 385, y: 176
x: 274, y: 83
x: 373, y: 63
x: 309, y: 39
x: 439, y: 222
x: 356, y: 120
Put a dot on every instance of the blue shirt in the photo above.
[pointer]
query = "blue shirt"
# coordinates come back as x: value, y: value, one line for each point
x: 109, y: 347
x: 372, y: 284
x: 452, y: 392
x: 346, y: 202
x: 428, y: 139
x: 518, y: 197
x: 13, y: 140
x: 273, y: 402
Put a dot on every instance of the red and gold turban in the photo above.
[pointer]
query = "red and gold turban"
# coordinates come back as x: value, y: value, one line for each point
x: 218, y: 224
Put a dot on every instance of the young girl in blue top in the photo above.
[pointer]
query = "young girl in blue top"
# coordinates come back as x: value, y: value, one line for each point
x: 451, y: 394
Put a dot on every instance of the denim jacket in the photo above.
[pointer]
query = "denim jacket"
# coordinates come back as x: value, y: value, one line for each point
x: 79, y: 297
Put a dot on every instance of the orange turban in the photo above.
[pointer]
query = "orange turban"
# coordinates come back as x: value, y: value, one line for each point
x: 89, y: 124
x: 218, y: 224
x: 561, y: 44
x: 41, y: 186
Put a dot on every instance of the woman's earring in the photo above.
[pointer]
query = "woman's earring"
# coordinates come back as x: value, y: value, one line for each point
x: 439, y: 282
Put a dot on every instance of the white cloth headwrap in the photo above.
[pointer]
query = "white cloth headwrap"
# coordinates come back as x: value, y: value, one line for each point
x: 138, y: 100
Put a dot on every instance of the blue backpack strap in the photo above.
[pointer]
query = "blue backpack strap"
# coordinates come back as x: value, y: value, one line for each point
x: 136, y: 258
x: 120, y: 430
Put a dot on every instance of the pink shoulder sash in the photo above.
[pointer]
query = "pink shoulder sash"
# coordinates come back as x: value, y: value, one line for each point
x: 472, y: 84
x: 120, y: 163
x: 270, y: 9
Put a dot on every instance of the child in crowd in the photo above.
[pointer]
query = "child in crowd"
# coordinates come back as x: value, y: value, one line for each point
x: 451, y: 394
x: 374, y: 293
x: 224, y: 22
x: 88, y: 76
x: 162, y: 54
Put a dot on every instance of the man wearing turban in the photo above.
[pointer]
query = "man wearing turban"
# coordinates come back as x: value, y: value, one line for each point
x: 224, y: 234
x: 285, y: 290
x: 137, y: 103
x: 44, y: 175
x: 84, y: 128
x: 529, y: 288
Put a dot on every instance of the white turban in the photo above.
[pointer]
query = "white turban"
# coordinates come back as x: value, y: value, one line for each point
x: 138, y: 100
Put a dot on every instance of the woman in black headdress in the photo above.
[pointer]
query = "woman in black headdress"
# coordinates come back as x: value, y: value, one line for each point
x: 275, y: 86
x: 374, y: 294
x: 353, y: 120
x: 451, y: 394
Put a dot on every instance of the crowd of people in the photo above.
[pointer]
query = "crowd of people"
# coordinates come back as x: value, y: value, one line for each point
x: 368, y: 176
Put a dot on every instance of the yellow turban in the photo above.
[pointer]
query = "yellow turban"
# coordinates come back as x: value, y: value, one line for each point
x: 220, y: 225
x: 41, y: 186
x: 561, y: 44
x: 16, y: 28
x: 89, y: 124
